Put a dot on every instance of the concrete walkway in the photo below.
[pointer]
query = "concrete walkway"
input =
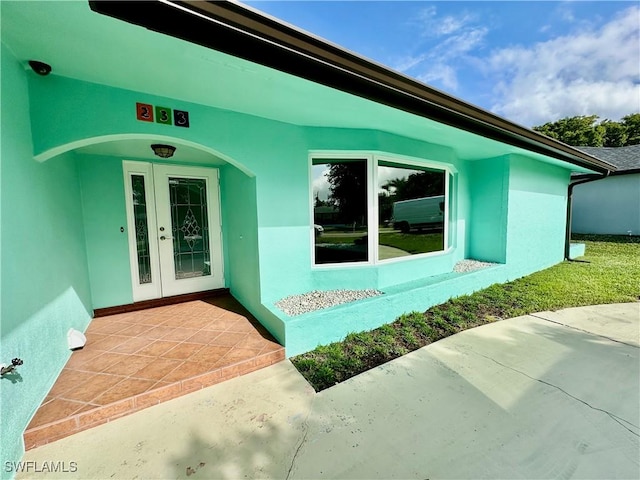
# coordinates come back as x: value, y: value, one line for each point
x: 550, y: 395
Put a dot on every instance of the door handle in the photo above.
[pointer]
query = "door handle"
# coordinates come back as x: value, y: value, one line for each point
x: 163, y: 237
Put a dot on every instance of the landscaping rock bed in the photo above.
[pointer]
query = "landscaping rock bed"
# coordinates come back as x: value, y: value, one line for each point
x: 464, y: 266
x: 308, y: 302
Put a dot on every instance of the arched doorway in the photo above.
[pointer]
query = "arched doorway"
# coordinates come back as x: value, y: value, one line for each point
x: 153, y: 226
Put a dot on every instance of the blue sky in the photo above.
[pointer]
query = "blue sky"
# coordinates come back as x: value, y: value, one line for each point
x: 530, y: 62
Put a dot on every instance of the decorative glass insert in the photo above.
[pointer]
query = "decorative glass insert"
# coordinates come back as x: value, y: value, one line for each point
x: 411, y: 208
x: 142, y: 228
x: 190, y: 227
x: 340, y: 210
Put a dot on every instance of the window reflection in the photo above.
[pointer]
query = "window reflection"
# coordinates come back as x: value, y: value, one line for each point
x: 142, y: 228
x: 340, y: 210
x: 411, y: 210
x: 190, y: 227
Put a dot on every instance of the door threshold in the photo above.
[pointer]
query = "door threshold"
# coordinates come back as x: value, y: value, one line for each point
x: 159, y: 302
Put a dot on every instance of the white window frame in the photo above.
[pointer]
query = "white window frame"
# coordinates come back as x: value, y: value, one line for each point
x: 373, y: 158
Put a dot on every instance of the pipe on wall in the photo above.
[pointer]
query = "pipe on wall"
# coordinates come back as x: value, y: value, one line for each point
x: 567, y: 240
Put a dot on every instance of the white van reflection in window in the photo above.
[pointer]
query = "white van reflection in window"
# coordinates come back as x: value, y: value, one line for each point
x: 418, y: 213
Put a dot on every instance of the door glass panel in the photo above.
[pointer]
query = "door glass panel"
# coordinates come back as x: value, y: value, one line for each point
x: 189, y: 227
x: 142, y: 228
x: 411, y: 207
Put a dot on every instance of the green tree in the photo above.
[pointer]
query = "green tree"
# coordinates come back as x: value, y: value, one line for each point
x: 321, y: 203
x: 416, y: 185
x: 578, y: 131
x: 385, y: 207
x: 348, y: 190
x: 615, y: 134
x: 424, y: 184
x: 395, y: 186
x: 586, y: 131
x: 632, y: 124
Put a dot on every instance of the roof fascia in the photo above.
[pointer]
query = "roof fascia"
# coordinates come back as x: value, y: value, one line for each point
x: 618, y: 173
x: 242, y: 32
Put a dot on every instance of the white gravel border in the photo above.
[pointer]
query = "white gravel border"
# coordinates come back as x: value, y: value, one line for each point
x: 464, y: 266
x: 316, y: 300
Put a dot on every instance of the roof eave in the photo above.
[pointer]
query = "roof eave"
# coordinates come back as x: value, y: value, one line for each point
x: 617, y: 173
x: 240, y: 31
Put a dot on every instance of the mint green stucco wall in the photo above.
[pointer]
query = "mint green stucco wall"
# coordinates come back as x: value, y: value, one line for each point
x: 537, y: 215
x: 45, y: 289
x: 240, y: 230
x: 501, y: 208
x: 487, y: 233
x: 104, y: 213
x: 276, y: 153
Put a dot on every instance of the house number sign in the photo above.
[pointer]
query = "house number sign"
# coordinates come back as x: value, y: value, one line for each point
x: 146, y: 112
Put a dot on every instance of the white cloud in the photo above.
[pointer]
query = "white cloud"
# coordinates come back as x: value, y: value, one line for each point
x: 456, y: 37
x: 565, y: 12
x: 440, y: 73
x: 320, y: 182
x: 589, y: 72
x: 407, y: 63
x: 432, y: 25
x: 462, y: 43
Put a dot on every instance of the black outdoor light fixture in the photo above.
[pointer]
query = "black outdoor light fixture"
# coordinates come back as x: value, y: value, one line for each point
x: 163, y: 151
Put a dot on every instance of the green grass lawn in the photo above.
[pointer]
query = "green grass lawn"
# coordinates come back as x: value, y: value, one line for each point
x: 342, y: 239
x: 413, y: 243
x: 612, y: 275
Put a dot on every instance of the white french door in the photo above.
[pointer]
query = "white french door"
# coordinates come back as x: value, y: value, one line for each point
x: 173, y: 218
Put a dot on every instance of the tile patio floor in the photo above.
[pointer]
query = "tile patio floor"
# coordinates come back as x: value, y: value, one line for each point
x: 137, y: 359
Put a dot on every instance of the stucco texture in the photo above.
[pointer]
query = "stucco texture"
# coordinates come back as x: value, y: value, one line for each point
x: 508, y: 209
x: 64, y: 238
x: 608, y: 206
x: 45, y: 287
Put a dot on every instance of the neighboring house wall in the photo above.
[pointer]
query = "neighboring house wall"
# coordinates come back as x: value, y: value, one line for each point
x: 44, y: 280
x: 608, y: 206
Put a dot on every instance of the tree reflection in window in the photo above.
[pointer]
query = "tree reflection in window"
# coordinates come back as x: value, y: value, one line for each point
x: 340, y: 211
x: 142, y: 230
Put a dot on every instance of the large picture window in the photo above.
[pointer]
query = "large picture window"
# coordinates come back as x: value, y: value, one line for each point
x: 374, y: 209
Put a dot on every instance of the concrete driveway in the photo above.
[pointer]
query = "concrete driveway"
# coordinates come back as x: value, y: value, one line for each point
x: 550, y: 395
